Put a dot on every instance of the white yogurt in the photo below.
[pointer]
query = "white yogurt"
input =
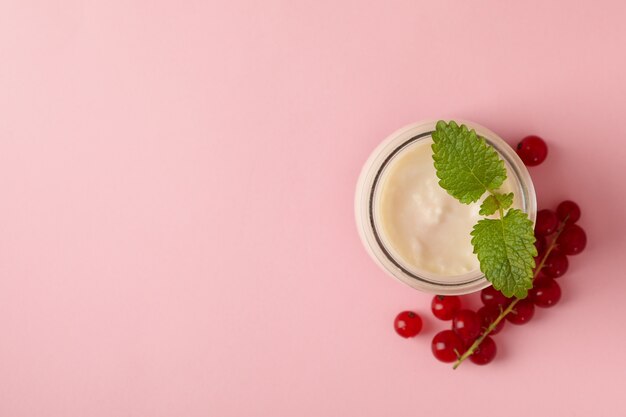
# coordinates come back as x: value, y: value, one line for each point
x: 424, y: 227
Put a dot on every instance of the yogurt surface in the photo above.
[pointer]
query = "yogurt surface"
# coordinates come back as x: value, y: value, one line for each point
x: 425, y: 228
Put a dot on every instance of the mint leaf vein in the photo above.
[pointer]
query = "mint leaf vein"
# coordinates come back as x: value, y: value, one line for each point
x: 506, y: 249
x: 495, y: 202
x: 466, y: 165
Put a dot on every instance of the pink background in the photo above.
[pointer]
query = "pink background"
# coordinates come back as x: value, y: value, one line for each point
x: 176, y: 221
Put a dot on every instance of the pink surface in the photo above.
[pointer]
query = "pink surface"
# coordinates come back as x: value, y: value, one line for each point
x: 177, y: 233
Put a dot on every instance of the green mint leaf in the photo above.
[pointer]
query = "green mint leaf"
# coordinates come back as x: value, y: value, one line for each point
x: 495, y: 202
x: 466, y: 165
x: 505, y: 248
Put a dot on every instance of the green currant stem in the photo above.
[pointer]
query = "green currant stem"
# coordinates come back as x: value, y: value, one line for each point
x: 510, y: 307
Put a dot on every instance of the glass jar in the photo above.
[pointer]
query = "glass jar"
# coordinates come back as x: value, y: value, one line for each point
x: 368, y: 196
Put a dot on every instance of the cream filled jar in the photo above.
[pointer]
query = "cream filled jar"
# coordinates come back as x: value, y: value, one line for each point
x: 412, y: 227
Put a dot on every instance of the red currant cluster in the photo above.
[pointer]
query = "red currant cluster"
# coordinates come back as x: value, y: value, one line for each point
x: 557, y: 236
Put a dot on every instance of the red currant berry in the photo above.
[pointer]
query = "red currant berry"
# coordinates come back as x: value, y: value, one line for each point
x: 445, y: 306
x: 407, y: 324
x: 572, y: 240
x: 485, y: 352
x: 532, y: 150
x: 545, y: 293
x: 447, y: 346
x: 568, y: 209
x: 492, y: 297
x: 540, y: 245
x: 556, y: 264
x: 466, y: 324
x: 489, y: 314
x: 522, y: 312
x: 546, y: 223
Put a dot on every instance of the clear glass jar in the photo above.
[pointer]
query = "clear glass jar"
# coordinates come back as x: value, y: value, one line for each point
x: 366, y: 203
